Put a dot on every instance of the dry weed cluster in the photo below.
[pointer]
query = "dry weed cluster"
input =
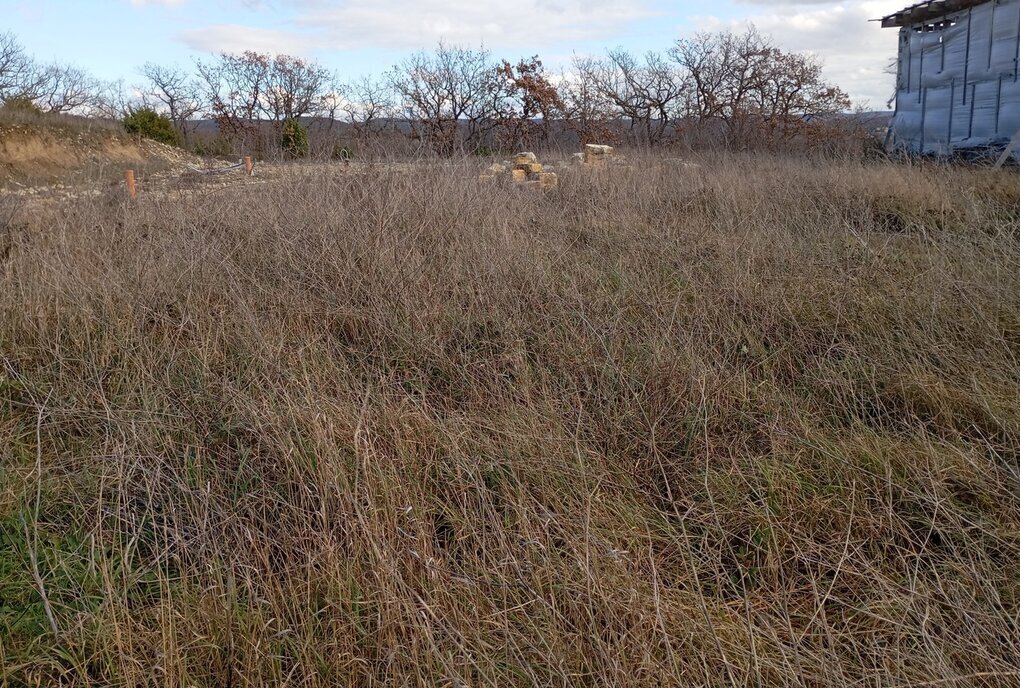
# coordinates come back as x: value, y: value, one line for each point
x: 751, y: 425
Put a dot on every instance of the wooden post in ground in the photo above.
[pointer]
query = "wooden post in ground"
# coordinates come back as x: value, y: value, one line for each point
x: 247, y: 165
x: 129, y: 177
x: 1009, y: 151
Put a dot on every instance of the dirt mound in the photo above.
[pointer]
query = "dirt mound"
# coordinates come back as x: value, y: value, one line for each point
x: 45, y: 152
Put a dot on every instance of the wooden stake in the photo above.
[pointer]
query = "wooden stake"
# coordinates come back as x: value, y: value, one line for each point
x: 247, y: 165
x: 1009, y: 150
x: 129, y: 177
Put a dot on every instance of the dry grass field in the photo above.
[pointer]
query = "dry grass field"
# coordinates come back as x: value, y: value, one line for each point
x: 753, y: 424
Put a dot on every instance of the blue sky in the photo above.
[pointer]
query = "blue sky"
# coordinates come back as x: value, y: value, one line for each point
x: 113, y: 38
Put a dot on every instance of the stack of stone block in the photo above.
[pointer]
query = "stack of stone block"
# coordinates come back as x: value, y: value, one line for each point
x: 527, y: 170
x: 597, y: 157
x: 492, y: 172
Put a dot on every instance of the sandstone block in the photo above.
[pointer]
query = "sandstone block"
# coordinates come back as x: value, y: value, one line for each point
x: 596, y: 152
x: 548, y: 180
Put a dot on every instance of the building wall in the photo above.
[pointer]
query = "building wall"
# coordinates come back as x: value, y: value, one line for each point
x: 957, y: 85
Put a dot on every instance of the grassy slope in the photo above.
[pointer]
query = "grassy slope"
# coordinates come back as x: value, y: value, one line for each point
x: 756, y: 425
x: 42, y: 149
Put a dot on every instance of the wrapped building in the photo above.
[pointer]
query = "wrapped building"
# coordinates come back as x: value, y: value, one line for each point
x: 956, y: 88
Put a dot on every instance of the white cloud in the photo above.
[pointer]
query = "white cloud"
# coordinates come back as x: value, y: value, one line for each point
x: 527, y: 24
x: 855, y: 50
x: 784, y: 3
x: 409, y: 24
x: 246, y: 4
x: 234, y: 38
x: 161, y: 3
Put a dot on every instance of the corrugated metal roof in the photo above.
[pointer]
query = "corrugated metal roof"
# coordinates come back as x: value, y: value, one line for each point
x: 927, y: 11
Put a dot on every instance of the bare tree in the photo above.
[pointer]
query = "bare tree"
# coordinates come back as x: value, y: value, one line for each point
x: 15, y: 67
x: 644, y: 93
x: 530, y: 103
x: 663, y: 88
x: 52, y: 87
x: 294, y: 88
x: 20, y: 75
x: 793, y: 86
x: 332, y: 101
x: 63, y: 88
x: 175, y: 91
x: 719, y: 67
x: 368, y: 103
x: 450, y: 96
x: 111, y: 100
x: 241, y: 90
x: 587, y: 111
x: 233, y: 88
x: 750, y: 85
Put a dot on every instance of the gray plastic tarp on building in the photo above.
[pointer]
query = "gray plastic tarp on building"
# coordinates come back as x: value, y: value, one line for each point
x: 957, y: 85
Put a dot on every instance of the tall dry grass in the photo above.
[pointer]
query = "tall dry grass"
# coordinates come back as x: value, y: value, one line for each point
x: 754, y: 424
